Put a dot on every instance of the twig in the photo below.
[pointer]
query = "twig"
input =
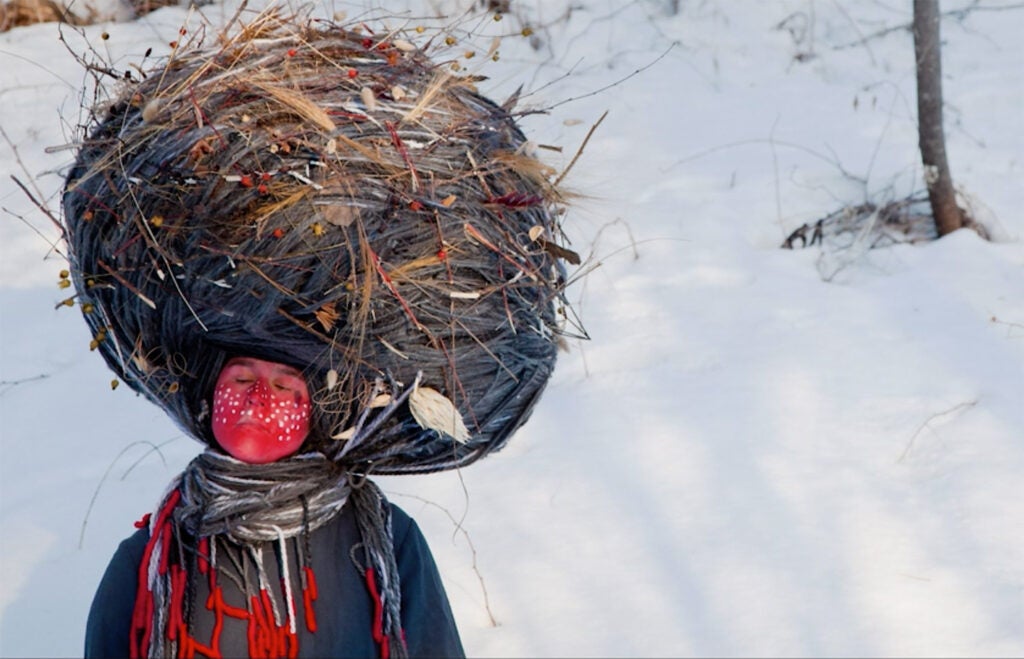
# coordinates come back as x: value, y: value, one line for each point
x: 475, y: 234
x: 396, y: 140
x: 363, y: 432
x: 958, y: 14
x: 1009, y: 324
x: 775, y: 172
x: 629, y: 232
x: 38, y: 204
x: 127, y: 284
x: 792, y: 145
x: 459, y: 528
x: 881, y: 136
x: 10, y: 384
x: 53, y: 246
x: 927, y: 424
x: 613, y: 84
x: 856, y: 27
x: 394, y: 290
x: 21, y: 163
x: 110, y: 467
x: 579, y: 151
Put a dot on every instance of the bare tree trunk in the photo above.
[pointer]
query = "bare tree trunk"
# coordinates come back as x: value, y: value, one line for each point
x: 931, y: 139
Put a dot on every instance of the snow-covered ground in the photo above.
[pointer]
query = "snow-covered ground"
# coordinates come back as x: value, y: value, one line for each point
x: 745, y: 458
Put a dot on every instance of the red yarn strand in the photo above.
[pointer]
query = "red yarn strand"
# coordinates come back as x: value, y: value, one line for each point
x: 265, y: 637
x: 308, y: 597
x: 378, y: 614
x: 204, y: 553
x: 142, y: 615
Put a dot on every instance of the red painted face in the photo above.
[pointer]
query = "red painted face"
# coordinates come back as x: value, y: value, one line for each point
x: 260, y: 410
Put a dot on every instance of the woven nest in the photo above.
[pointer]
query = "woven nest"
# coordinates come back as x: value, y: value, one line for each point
x: 332, y: 200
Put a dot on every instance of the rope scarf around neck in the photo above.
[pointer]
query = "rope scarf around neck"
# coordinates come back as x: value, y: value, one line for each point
x: 220, y: 512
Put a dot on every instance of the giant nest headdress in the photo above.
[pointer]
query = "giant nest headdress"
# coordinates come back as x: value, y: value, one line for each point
x: 335, y: 201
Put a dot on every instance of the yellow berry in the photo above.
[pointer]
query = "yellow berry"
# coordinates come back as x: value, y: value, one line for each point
x: 63, y: 283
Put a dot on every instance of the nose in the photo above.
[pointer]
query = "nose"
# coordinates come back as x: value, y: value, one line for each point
x: 258, y: 394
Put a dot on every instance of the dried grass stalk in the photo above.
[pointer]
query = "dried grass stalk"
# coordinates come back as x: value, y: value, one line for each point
x: 16, y: 13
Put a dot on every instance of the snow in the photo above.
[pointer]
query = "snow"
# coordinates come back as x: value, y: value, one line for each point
x: 745, y: 459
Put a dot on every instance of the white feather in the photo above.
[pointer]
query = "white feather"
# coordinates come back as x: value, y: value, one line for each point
x: 433, y: 411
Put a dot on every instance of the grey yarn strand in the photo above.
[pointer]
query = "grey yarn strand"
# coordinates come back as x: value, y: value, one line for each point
x: 250, y: 502
x: 373, y: 515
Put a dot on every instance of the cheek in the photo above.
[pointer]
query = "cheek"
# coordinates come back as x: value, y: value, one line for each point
x: 227, y: 407
x: 290, y: 419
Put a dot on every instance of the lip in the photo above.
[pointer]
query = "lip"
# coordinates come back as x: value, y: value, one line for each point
x: 248, y: 423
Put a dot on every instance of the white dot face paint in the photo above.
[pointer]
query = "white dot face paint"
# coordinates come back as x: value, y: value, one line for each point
x: 260, y: 410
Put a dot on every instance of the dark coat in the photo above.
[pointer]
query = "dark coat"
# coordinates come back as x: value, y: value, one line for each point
x: 344, y: 607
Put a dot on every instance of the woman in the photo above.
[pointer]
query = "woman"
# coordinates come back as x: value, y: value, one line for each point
x: 326, y: 257
x: 249, y: 570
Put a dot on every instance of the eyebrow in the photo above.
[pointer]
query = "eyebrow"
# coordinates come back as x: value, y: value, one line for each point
x: 282, y: 369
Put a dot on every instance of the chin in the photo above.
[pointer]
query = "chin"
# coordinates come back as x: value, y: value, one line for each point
x: 261, y: 449
x: 258, y: 459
